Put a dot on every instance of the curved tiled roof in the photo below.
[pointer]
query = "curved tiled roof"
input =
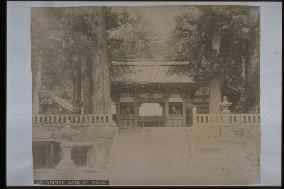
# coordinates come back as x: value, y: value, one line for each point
x: 149, y: 62
x: 147, y: 71
x: 60, y: 101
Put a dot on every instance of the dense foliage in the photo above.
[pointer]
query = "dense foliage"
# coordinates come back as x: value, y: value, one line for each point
x: 217, y: 40
x: 213, y: 39
x: 60, y: 34
x: 133, y: 39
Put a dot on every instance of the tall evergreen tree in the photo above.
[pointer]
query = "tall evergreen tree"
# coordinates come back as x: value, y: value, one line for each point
x: 218, y: 43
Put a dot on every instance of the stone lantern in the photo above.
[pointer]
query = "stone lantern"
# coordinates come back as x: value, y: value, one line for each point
x: 225, y: 105
x: 66, y: 137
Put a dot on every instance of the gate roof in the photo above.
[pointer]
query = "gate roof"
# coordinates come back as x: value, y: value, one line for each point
x: 149, y: 71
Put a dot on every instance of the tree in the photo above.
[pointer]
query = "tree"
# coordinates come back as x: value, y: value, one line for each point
x: 70, y: 47
x: 132, y: 39
x: 79, y: 42
x: 86, y: 28
x: 43, y: 44
x: 253, y: 79
x: 100, y: 64
x: 217, y: 41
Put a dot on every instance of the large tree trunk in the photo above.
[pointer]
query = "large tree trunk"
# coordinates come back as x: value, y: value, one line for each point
x: 76, y: 84
x: 36, y: 64
x: 100, y: 67
x: 87, y: 82
x: 215, y: 81
x: 215, y: 94
x: 252, y: 76
x: 252, y: 83
x: 36, y: 83
x: 252, y: 88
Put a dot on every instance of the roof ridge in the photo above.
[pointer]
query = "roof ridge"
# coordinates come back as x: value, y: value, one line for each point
x: 150, y: 63
x: 157, y: 59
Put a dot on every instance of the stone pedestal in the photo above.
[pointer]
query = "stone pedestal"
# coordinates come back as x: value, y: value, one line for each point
x: 90, y: 158
x: 66, y: 166
x: 66, y: 150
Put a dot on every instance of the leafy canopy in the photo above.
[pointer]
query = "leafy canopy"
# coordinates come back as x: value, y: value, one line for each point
x: 214, y: 39
x: 60, y: 33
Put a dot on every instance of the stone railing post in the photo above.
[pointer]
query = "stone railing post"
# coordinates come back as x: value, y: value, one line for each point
x: 193, y: 116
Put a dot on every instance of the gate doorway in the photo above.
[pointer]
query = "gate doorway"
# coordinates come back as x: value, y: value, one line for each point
x: 151, y: 114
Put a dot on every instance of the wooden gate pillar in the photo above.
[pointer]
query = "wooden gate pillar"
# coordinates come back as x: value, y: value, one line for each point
x: 183, y: 112
x: 118, y: 109
x: 167, y: 111
x: 135, y: 106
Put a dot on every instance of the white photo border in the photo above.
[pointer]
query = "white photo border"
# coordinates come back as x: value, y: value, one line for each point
x: 19, y: 88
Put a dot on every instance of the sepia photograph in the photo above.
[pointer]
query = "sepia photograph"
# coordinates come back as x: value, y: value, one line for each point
x: 146, y: 95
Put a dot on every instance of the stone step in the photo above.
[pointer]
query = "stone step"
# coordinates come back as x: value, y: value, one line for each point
x: 129, y: 129
x: 149, y: 148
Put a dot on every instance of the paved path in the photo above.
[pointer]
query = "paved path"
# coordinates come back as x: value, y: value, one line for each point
x: 161, y: 156
x: 151, y: 156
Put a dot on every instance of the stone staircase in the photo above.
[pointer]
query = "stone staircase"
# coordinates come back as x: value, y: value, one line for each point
x: 167, y: 156
x: 130, y: 129
x: 140, y: 155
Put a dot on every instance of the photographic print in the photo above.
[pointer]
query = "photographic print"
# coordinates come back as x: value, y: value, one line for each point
x: 146, y: 95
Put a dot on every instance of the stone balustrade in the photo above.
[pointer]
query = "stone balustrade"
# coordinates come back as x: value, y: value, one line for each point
x: 225, y: 119
x: 75, y: 120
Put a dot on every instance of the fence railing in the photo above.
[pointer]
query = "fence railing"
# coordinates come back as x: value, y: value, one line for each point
x: 76, y: 120
x: 225, y: 119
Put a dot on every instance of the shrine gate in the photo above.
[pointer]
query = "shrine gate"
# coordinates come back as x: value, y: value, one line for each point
x: 136, y: 82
